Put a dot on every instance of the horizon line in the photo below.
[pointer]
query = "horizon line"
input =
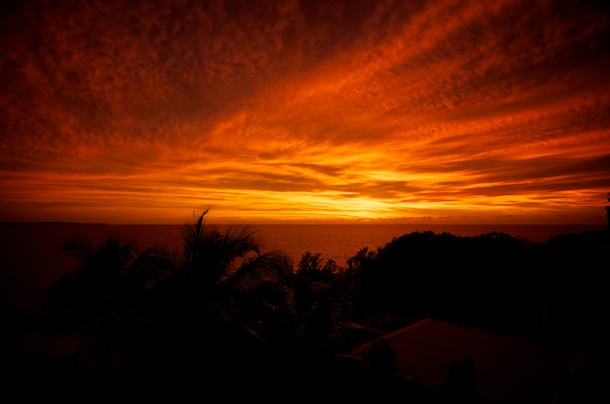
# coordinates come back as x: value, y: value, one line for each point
x: 288, y: 223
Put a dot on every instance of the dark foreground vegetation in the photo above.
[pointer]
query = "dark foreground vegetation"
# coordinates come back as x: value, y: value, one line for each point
x: 220, y: 318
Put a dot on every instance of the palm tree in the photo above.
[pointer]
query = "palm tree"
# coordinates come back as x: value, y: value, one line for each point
x: 114, y: 299
x: 236, y: 300
x: 224, y: 269
x: 219, y: 301
x: 92, y: 299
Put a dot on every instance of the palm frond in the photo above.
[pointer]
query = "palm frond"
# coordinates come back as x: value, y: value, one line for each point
x: 153, y: 265
x: 193, y: 232
x: 271, y: 265
x: 77, y: 247
x: 239, y: 240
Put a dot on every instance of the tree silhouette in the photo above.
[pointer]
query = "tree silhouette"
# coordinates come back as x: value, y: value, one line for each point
x: 234, y: 302
x: 221, y: 269
x: 219, y: 303
x: 94, y: 299
x: 219, y: 313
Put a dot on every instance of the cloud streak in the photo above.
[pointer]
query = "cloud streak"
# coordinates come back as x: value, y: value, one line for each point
x: 133, y: 112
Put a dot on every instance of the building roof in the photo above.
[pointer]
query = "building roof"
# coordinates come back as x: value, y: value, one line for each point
x: 506, y: 368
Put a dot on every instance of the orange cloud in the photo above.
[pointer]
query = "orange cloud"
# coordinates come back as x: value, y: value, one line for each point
x: 323, y: 110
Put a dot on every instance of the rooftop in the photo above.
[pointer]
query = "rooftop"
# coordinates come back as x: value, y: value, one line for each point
x: 506, y: 368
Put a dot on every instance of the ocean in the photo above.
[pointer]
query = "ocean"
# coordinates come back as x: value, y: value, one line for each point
x: 30, y: 261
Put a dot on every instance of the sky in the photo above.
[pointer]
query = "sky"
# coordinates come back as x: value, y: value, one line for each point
x: 340, y: 111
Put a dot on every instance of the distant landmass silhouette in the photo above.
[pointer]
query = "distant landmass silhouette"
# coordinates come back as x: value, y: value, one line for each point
x: 48, y: 223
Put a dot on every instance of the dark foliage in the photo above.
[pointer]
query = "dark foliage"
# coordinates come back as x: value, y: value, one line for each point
x: 492, y: 281
x: 220, y: 313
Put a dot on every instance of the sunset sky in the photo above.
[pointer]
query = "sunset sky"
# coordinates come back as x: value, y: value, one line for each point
x: 400, y: 111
